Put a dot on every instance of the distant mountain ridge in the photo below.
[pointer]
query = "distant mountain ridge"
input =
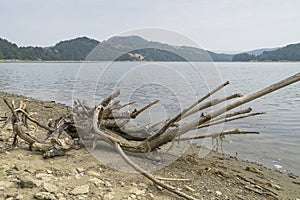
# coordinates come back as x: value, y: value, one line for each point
x: 290, y: 52
x: 136, y: 48
x: 116, y: 48
x: 257, y: 52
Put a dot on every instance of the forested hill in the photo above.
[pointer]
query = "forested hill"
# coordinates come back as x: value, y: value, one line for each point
x: 288, y: 53
x: 76, y: 49
x: 115, y: 48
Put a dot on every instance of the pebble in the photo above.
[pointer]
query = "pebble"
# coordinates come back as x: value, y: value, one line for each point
x: 38, y: 183
x: 134, y: 184
x: 83, y: 189
x: 136, y: 191
x: 73, y: 172
x: 107, y: 184
x: 19, y: 197
x: 143, y: 185
x: 82, y: 197
x: 80, y: 170
x: 253, y: 169
x: 218, y: 193
x: 78, y: 176
x: 97, y: 182
x: 6, y: 184
x: 108, y: 196
x: 159, y: 187
x: 30, y: 171
x: 50, y: 188
x: 94, y: 174
x: 122, y: 184
x: 44, y: 196
x: 49, y: 171
x: 20, y: 156
x: 189, y: 188
x: 60, y: 196
x: 44, y: 177
x: 26, y: 181
x: 18, y: 167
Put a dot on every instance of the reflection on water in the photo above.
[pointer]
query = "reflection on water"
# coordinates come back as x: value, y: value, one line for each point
x: 278, y: 143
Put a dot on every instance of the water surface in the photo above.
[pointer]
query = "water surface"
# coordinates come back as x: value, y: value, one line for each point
x: 177, y: 85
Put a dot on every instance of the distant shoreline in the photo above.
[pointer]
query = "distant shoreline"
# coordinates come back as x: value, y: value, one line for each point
x: 84, y: 61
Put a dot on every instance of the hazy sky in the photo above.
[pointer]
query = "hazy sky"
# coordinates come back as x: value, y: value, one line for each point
x: 228, y: 25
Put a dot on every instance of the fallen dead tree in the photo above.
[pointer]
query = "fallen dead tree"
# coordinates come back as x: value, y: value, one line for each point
x: 108, y: 122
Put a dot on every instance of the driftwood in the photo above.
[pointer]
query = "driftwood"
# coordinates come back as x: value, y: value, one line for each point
x: 109, y: 122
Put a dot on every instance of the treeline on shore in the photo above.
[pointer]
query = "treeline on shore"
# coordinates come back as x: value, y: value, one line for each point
x: 288, y: 53
x: 134, y: 48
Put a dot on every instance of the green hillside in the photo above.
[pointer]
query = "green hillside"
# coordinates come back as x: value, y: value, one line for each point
x: 115, y: 48
x: 288, y: 53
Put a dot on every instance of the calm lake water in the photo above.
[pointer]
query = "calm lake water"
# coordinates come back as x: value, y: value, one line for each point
x: 177, y: 85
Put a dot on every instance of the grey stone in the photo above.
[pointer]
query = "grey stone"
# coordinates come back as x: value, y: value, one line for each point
x: 50, y: 187
x: 26, y: 181
x: 136, y: 191
x: 6, y: 184
x: 143, y: 185
x: 122, y: 184
x: 82, y: 197
x: 19, y: 197
x: 44, y: 196
x: 44, y: 177
x: 108, y: 196
x: 94, y: 174
x: 80, y: 170
x: 97, y: 182
x: 83, y: 189
x: 107, y: 184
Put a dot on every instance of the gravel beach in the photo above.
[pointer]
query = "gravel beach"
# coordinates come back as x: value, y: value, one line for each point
x: 25, y: 174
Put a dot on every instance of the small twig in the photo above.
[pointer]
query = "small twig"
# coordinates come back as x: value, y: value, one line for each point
x: 127, y: 104
x: 218, y: 134
x: 172, y: 179
x: 137, y: 112
x: 215, y: 122
x: 227, y: 115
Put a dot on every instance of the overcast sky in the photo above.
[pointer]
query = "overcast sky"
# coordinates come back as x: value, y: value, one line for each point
x: 228, y: 25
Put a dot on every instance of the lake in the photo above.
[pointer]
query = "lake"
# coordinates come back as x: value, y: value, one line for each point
x: 178, y: 85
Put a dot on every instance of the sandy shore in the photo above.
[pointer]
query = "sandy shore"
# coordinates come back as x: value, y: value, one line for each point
x: 78, y: 175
